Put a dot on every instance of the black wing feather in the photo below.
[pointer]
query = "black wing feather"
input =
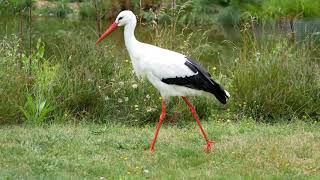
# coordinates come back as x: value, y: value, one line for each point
x: 201, y: 81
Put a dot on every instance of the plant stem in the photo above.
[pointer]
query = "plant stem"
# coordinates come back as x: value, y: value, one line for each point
x: 127, y: 4
x: 98, y: 18
x: 254, y: 35
x: 173, y: 4
x: 30, y: 36
x: 21, y: 40
x: 140, y: 12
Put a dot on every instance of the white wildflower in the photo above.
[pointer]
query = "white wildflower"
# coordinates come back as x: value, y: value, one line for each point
x: 150, y: 109
x: 146, y: 171
x: 120, y: 100
x: 134, y: 86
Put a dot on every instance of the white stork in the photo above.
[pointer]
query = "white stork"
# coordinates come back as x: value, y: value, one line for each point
x: 172, y: 73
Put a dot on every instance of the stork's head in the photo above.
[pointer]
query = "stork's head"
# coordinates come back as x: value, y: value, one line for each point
x: 124, y: 18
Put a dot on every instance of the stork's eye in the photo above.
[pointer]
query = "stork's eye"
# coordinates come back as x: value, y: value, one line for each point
x: 120, y: 18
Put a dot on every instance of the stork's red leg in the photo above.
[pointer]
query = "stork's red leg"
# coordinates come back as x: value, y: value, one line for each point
x: 162, y: 116
x: 210, y: 144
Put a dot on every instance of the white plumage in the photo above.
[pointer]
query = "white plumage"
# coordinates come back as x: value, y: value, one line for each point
x: 157, y: 64
x: 172, y: 73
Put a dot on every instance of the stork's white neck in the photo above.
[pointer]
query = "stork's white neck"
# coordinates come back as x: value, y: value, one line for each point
x: 129, y: 38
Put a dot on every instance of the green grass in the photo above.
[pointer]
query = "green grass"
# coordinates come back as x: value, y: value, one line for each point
x: 244, y: 149
x: 60, y: 10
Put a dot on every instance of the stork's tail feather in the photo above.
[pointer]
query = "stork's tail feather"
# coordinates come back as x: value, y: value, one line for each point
x: 221, y: 94
x: 227, y: 93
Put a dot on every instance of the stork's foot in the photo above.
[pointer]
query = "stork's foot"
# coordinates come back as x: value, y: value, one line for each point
x: 152, y: 150
x: 210, y: 146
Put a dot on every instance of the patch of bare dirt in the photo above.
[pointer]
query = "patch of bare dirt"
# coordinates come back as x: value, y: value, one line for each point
x: 44, y: 4
x: 47, y: 4
x: 74, y: 5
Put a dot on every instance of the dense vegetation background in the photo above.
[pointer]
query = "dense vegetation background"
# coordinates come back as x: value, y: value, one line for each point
x: 58, y: 75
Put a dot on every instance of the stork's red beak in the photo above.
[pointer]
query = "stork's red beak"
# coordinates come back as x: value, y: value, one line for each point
x: 113, y: 27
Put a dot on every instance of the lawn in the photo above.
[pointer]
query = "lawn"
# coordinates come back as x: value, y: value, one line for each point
x: 245, y: 149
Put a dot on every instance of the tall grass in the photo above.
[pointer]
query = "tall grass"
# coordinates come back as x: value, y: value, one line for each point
x: 14, y: 81
x: 273, y: 8
x: 274, y: 77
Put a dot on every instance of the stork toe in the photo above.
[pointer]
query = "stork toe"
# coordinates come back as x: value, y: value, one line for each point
x: 210, y: 146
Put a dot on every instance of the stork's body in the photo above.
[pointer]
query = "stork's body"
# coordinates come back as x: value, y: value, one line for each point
x: 172, y: 73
